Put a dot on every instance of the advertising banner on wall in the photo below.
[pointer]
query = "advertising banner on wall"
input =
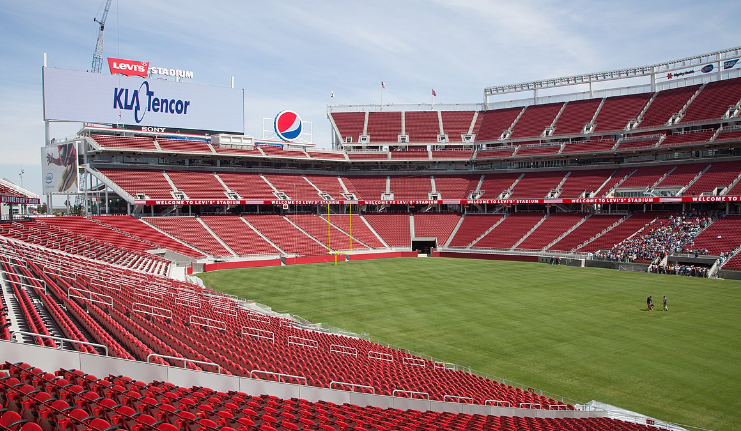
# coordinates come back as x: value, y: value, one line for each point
x: 116, y: 99
x: 59, y: 169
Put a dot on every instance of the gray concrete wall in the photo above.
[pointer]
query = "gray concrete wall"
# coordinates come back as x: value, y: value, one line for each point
x: 49, y: 359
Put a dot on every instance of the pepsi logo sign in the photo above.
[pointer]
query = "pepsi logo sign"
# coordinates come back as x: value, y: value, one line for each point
x: 288, y: 126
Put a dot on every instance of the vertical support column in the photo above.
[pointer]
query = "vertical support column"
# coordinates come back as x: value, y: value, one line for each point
x: 720, y: 68
x: 653, y: 79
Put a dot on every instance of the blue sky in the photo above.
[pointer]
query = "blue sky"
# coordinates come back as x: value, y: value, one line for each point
x: 292, y: 54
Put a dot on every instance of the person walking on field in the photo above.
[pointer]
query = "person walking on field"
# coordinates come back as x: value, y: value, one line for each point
x: 665, y: 307
x: 649, y: 303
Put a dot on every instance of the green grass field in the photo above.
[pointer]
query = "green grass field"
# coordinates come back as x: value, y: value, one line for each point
x: 582, y: 333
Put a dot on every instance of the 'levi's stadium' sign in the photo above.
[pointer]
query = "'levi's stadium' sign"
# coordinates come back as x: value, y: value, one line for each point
x: 114, y: 99
x: 142, y: 68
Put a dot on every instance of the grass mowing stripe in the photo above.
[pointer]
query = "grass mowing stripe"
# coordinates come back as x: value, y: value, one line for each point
x: 580, y: 332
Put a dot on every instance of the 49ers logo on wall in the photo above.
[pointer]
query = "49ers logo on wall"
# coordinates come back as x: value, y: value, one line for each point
x: 128, y: 67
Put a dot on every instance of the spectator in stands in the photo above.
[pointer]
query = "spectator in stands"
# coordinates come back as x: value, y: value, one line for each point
x: 649, y: 303
x: 665, y: 307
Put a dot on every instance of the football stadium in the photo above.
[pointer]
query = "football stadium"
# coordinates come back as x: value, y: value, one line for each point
x: 564, y: 255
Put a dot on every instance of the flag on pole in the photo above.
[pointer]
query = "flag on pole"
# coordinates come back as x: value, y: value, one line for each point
x: 433, y: 93
x: 383, y: 84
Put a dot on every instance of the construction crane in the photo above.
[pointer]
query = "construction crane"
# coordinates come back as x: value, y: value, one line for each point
x: 98, y: 54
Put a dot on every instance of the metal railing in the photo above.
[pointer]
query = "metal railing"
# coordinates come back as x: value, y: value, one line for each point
x: 53, y: 337
x: 412, y: 393
x: 352, y: 385
x: 457, y: 399
x: 185, y: 360
x: 279, y: 375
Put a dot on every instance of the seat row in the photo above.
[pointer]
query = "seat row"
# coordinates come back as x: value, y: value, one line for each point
x: 72, y: 400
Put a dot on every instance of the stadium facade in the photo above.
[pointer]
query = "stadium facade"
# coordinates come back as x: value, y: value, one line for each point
x: 166, y: 179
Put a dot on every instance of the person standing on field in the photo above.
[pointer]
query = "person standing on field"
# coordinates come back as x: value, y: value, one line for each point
x: 665, y: 307
x: 649, y: 303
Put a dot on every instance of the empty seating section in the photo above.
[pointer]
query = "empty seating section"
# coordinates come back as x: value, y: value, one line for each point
x: 138, y: 229
x: 494, y: 123
x: 191, y: 231
x: 456, y: 123
x: 349, y: 124
x: 384, y: 126
x: 198, y: 185
x: 240, y: 151
x: 132, y: 142
x: 368, y: 156
x: 324, y: 232
x: 510, y: 230
x: 366, y: 187
x: 355, y: 226
x: 410, y: 154
x: 687, y: 138
x: 535, y: 120
x: 714, y: 100
x: 89, y: 228
x: 422, y: 126
x: 555, y: 225
x: 635, y: 142
x: 616, y: 112
x: 52, y: 237
x: 494, y: 185
x: 682, y: 175
x: 8, y: 191
x: 644, y: 177
x: 537, y: 150
x: 294, y: 186
x: 238, y: 236
x: 472, y: 227
x: 728, y: 135
x: 719, y: 175
x: 438, y: 225
x: 592, y: 226
x: 281, y: 151
x: 183, y: 145
x: 248, y: 186
x: 722, y: 236
x: 327, y: 155
x: 734, y: 263
x: 582, y: 184
x: 106, y: 403
x: 575, y: 115
x: 666, y: 104
x: 140, y: 182
x: 411, y: 187
x: 452, y: 154
x: 393, y: 228
x: 537, y: 184
x: 625, y: 229
x: 329, y: 184
x: 497, y: 153
x: 588, y: 147
x: 456, y: 187
x: 285, y: 235
x: 616, y: 177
